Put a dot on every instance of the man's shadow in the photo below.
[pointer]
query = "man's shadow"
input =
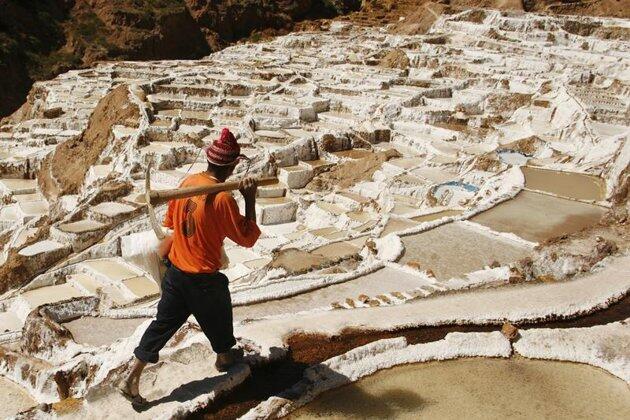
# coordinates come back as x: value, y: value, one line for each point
x: 354, y: 402
x: 186, y: 392
x: 351, y: 400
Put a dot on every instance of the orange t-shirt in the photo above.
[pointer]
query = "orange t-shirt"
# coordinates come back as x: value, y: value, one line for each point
x: 201, y: 223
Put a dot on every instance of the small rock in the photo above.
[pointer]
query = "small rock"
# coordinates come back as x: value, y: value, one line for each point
x: 495, y: 264
x: 350, y: 303
x: 430, y: 273
x: 371, y: 246
x: 398, y: 295
x: 384, y: 299
x: 364, y: 298
x: 509, y: 331
x: 414, y: 264
x: 546, y: 278
x: 53, y: 112
x: 336, y: 305
x: 516, y: 277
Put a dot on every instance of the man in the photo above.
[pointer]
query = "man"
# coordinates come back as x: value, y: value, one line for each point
x: 193, y: 284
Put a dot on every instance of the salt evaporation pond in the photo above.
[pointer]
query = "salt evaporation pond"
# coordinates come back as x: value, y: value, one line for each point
x: 478, y: 388
x: 538, y: 217
x: 382, y: 281
x: 566, y: 184
x: 455, y: 249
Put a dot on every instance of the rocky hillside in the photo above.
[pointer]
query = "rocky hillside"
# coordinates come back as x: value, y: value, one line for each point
x: 41, y: 39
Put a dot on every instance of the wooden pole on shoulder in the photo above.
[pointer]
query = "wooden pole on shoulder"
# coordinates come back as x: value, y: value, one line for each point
x: 163, y: 196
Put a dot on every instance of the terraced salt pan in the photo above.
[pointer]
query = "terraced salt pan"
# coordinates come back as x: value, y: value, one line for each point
x: 142, y: 287
x: 566, y: 184
x: 97, y: 331
x: 383, y: 281
x: 367, y: 92
x: 515, y: 304
x: 81, y: 226
x: 18, y: 186
x: 480, y: 388
x: 111, y: 268
x: 538, y: 217
x: 395, y: 225
x: 13, y: 398
x: 437, y: 215
x: 455, y: 249
x: 48, y: 294
x: 41, y: 247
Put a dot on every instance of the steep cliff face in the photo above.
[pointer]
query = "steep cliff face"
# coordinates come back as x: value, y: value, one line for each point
x: 39, y: 40
x: 29, y: 34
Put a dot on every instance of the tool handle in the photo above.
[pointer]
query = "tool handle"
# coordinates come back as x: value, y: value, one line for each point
x: 163, y: 196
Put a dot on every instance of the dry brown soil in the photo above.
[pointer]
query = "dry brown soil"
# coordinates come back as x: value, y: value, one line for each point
x: 72, y: 159
x: 346, y: 174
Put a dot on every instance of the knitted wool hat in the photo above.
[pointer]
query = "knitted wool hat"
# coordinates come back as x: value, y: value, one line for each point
x: 225, y: 150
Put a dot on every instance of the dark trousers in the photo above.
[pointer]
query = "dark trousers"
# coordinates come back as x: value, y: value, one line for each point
x: 206, y: 296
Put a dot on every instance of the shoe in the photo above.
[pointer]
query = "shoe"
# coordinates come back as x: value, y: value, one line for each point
x: 228, y: 359
x: 138, y: 402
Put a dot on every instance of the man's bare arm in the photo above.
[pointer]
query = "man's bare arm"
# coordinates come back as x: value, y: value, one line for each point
x: 249, y: 188
x: 165, y: 246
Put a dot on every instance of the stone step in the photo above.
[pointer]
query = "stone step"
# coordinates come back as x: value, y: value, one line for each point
x: 272, y: 211
x: 9, y: 323
x: 122, y: 132
x: 9, y: 216
x: 28, y: 210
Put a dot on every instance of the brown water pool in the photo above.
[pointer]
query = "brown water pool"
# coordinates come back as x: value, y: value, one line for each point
x: 538, y: 217
x: 478, y: 388
x: 566, y: 184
